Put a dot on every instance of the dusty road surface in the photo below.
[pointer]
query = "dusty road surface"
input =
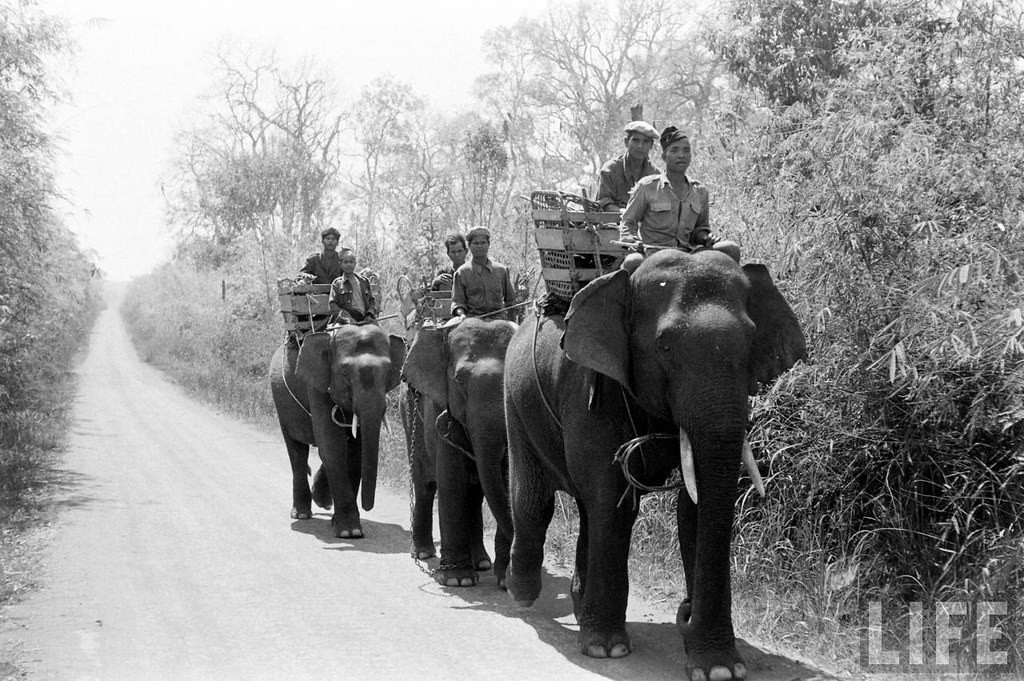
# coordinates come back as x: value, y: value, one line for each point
x: 174, y: 557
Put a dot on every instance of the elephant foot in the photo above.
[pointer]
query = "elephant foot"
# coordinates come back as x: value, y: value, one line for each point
x: 500, y: 572
x: 349, y: 533
x: 523, y: 591
x: 304, y: 514
x: 594, y: 643
x: 456, y: 576
x: 709, y: 664
x: 724, y: 666
x: 322, y: 490
x: 347, y: 527
x: 424, y: 552
x: 683, y: 615
x: 482, y: 565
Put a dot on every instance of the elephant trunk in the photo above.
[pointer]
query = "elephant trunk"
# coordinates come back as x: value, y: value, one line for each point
x: 717, y: 460
x: 370, y: 447
x: 369, y: 402
x: 490, y: 447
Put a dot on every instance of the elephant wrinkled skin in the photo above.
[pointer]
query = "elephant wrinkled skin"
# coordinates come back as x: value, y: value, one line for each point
x: 456, y: 376
x: 675, y: 347
x: 351, y: 368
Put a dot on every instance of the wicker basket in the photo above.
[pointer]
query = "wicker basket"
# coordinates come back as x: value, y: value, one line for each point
x: 304, y: 306
x: 574, y: 239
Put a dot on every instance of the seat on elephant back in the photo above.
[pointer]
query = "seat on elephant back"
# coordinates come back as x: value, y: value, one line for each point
x: 422, y: 306
x: 576, y: 244
x: 305, y: 308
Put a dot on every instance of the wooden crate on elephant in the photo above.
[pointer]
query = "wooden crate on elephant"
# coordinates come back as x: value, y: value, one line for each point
x: 574, y: 239
x: 304, y: 307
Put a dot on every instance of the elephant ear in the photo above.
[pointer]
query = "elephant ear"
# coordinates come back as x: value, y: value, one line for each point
x: 397, y: 351
x: 595, y: 326
x: 314, y: 362
x: 426, y: 365
x: 778, y: 343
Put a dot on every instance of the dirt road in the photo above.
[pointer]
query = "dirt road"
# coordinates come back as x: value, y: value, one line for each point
x: 174, y: 558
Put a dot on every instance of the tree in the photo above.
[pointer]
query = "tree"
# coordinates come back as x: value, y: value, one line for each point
x: 45, y: 278
x: 265, y: 158
x: 382, y: 122
x: 569, y: 80
x: 786, y: 49
x: 261, y: 165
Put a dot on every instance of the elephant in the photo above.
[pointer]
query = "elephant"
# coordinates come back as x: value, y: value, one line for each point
x: 455, y: 375
x: 331, y: 393
x: 672, y: 351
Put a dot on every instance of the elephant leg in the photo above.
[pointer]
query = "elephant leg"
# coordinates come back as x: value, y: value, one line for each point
x: 298, y: 457
x: 422, y: 470
x: 423, y: 519
x: 339, y: 459
x: 322, y: 489
x: 475, y: 519
x: 456, y: 519
x: 502, y: 550
x: 579, y: 574
x: 604, y: 578
x: 532, y: 498
x: 704, y: 622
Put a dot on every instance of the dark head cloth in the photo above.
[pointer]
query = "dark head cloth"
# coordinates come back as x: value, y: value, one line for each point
x: 671, y: 135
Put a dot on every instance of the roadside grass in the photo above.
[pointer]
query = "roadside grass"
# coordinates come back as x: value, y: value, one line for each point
x: 33, y: 432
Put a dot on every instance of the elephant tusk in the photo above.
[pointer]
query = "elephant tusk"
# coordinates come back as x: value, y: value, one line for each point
x: 355, y: 424
x: 686, y: 465
x: 751, y: 466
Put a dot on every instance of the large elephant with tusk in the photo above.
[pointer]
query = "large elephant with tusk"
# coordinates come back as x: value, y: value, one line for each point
x: 646, y: 372
x: 331, y: 393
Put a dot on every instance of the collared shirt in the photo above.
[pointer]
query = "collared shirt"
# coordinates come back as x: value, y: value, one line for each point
x: 352, y: 293
x: 617, y: 181
x: 326, y: 267
x: 481, y: 289
x: 660, y: 218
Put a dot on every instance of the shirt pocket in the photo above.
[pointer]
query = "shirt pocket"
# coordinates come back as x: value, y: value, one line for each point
x: 696, y: 206
x: 661, y: 206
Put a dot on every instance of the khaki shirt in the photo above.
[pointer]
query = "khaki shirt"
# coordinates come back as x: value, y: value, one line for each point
x: 616, y: 181
x: 660, y: 218
x: 481, y: 288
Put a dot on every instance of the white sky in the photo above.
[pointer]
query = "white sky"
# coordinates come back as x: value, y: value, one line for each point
x: 138, y: 73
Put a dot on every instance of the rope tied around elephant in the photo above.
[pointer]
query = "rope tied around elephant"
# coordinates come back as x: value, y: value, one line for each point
x: 625, y: 453
x: 446, y: 433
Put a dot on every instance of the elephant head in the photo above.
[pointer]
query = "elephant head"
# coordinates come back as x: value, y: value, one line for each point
x: 351, y: 368
x: 460, y: 370
x: 690, y: 337
x: 462, y: 367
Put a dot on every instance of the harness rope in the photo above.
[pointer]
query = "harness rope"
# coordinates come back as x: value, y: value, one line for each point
x: 536, y: 371
x: 284, y: 379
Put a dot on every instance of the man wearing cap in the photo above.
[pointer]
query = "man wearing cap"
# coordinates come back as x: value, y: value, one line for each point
x: 670, y: 209
x: 619, y: 175
x: 481, y: 285
x: 326, y: 265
